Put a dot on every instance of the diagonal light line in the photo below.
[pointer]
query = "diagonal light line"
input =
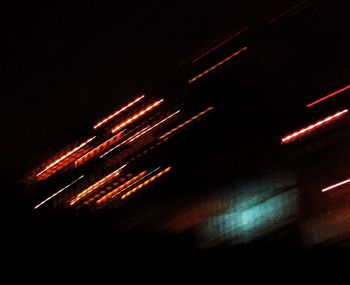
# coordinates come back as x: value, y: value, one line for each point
x: 58, y: 192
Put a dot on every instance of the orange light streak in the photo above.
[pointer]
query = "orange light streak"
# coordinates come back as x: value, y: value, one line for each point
x: 135, y: 117
x: 217, y: 65
x: 96, y: 185
x: 313, y: 127
x: 219, y: 45
x: 146, y: 183
x: 65, y: 156
x: 186, y: 122
x: 328, y: 96
x: 97, y: 150
x: 121, y: 187
x: 110, y: 117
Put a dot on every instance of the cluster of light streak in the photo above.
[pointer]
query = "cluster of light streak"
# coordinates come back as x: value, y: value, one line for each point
x: 96, y: 185
x: 305, y: 131
x: 205, y: 72
x: 128, y: 124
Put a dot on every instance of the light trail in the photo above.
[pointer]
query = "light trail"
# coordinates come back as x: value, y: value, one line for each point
x: 217, y: 65
x: 328, y: 96
x: 110, y: 117
x: 137, y: 188
x: 97, y: 150
x: 65, y: 156
x: 313, y: 127
x: 156, y: 125
x: 58, y: 192
x: 290, y: 10
x: 219, y: 45
x: 140, y: 133
x: 96, y: 185
x: 135, y: 117
x: 186, y: 122
x: 335, y: 185
x: 121, y: 187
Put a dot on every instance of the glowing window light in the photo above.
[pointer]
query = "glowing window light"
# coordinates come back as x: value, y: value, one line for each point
x: 146, y: 183
x: 328, y: 96
x: 336, y: 185
x: 58, y: 192
x: 110, y: 117
x: 121, y: 187
x: 66, y: 155
x: 312, y: 127
x: 96, y: 185
x: 219, y: 45
x: 217, y: 65
x: 140, y: 133
x: 135, y: 117
x: 97, y: 150
x: 186, y: 123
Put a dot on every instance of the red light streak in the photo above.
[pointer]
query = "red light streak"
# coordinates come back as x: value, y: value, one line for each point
x: 312, y: 127
x: 336, y: 185
x: 328, y: 96
x: 96, y: 185
x: 110, y: 117
x: 137, y: 188
x: 135, y: 117
x: 66, y: 155
x: 217, y: 65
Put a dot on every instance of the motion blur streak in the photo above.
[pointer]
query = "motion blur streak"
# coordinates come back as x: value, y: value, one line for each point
x: 328, y: 96
x: 65, y: 155
x: 121, y: 187
x: 336, y: 185
x: 99, y: 183
x: 312, y: 127
x: 140, y: 133
x: 146, y: 183
x: 219, y: 45
x: 155, y: 125
x: 135, y: 117
x: 217, y: 65
x: 97, y: 150
x: 58, y: 192
x: 105, y: 120
x: 186, y: 123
